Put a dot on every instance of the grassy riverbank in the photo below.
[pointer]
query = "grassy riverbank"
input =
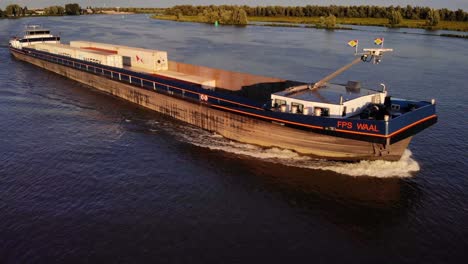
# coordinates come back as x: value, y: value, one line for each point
x: 195, y: 19
x: 381, y: 22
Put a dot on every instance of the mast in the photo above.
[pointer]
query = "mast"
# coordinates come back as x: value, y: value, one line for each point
x: 375, y: 57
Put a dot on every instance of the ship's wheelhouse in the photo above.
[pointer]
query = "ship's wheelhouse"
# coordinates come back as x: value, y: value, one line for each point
x: 331, y: 100
x: 32, y: 35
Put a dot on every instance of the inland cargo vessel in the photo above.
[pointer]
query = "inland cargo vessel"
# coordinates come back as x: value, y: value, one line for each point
x: 322, y: 119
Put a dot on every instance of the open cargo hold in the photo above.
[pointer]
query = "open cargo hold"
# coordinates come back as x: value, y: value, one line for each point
x: 99, y: 57
x: 152, y: 60
x: 206, y: 83
x: 205, y: 76
x: 229, y: 80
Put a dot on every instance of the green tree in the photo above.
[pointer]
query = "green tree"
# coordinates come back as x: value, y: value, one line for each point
x: 226, y: 16
x: 424, y: 12
x: 433, y: 18
x: 72, y: 9
x: 395, y: 18
x: 460, y: 15
x: 60, y: 10
x: 211, y: 15
x: 54, y: 11
x: 13, y: 10
x: 242, y: 17
x: 328, y: 22
x: 299, y: 11
x: 239, y: 17
x: 408, y: 12
x: 416, y: 12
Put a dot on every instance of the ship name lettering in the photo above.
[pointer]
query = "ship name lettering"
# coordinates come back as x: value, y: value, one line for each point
x: 344, y: 124
x: 367, y: 127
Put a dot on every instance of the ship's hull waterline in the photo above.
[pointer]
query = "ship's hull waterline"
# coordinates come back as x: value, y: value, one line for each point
x: 230, y: 125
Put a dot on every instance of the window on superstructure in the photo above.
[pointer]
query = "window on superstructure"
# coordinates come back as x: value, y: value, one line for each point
x: 279, y: 102
x: 92, y: 60
x: 300, y: 107
x: 325, y: 112
x: 38, y: 32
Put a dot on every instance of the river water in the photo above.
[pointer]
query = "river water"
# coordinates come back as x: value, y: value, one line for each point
x: 85, y: 177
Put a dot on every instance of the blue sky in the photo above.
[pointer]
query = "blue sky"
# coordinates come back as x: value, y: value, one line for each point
x: 451, y: 4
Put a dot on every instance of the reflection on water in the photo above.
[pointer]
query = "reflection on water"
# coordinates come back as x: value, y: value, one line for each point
x: 357, y: 204
x: 372, y: 181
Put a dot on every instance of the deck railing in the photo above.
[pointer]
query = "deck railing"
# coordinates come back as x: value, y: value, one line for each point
x: 146, y: 81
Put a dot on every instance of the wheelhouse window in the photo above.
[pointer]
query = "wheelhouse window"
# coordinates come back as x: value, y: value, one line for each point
x: 38, y: 32
x: 39, y: 39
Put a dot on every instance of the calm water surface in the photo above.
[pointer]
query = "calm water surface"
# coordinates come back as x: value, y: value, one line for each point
x: 85, y: 177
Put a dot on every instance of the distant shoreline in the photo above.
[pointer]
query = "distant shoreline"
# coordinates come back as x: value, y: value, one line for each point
x: 311, y: 22
x: 112, y: 12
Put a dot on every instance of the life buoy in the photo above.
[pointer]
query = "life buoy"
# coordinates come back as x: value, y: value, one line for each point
x: 203, y: 97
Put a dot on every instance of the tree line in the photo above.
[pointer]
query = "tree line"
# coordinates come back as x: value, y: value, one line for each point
x: 224, y: 14
x: 15, y: 10
x: 408, y: 12
x: 137, y: 10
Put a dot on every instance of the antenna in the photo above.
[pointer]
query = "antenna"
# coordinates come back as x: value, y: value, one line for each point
x: 376, y: 54
x: 368, y: 55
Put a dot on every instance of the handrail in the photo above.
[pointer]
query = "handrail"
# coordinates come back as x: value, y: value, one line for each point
x: 152, y: 81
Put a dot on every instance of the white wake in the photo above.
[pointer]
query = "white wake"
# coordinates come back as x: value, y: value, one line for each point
x: 405, y: 167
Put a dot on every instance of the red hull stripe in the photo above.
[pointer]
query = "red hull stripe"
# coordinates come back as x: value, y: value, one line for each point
x: 319, y: 127
x: 412, y: 125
